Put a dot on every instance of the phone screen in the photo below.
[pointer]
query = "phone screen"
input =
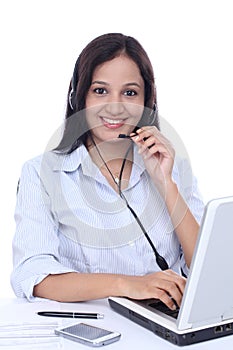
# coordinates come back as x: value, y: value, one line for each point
x: 86, y: 331
x: 87, y: 334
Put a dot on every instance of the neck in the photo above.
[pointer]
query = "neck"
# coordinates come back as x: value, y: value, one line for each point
x: 112, y: 157
x: 113, y: 151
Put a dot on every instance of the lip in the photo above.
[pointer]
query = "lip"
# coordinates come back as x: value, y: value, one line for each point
x: 112, y: 123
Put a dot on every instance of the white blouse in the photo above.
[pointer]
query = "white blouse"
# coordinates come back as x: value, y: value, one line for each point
x: 68, y: 218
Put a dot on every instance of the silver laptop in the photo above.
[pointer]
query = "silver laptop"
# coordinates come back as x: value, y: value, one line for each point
x: 206, y: 310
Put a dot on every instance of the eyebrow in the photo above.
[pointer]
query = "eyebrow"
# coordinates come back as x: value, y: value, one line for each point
x: 99, y: 82
x: 104, y: 83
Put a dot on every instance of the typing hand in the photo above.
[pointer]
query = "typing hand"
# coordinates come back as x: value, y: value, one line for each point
x: 166, y: 285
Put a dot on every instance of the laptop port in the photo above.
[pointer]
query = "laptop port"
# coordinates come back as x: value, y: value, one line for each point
x: 218, y: 329
x: 228, y: 327
x: 167, y: 335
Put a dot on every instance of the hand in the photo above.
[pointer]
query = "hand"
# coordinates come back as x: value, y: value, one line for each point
x: 157, y: 152
x: 165, y: 285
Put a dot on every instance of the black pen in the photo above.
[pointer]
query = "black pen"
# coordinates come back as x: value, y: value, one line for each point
x: 70, y: 314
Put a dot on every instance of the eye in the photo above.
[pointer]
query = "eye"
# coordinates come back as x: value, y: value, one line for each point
x: 130, y: 93
x: 100, y: 91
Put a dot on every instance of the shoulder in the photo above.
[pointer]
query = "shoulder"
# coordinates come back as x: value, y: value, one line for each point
x: 48, y: 159
x: 51, y: 162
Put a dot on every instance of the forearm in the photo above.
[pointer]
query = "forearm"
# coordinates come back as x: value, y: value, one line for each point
x: 183, y: 221
x: 74, y: 287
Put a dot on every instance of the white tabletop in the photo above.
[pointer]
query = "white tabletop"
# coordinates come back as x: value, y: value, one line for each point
x: 18, y: 311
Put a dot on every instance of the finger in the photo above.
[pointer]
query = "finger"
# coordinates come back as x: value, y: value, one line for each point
x: 145, y: 154
x: 173, y: 276
x: 147, y: 139
x: 146, y: 132
x: 157, y: 140
x: 166, y: 299
x: 169, y: 294
x: 175, y: 294
x: 145, y: 142
x: 153, y: 150
x: 178, y: 281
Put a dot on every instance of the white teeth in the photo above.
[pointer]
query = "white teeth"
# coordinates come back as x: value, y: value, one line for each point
x: 113, y: 121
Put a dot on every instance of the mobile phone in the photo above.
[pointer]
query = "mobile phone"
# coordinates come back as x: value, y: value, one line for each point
x: 88, y: 334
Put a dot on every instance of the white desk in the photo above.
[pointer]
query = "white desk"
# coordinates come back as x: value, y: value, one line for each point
x: 133, y: 336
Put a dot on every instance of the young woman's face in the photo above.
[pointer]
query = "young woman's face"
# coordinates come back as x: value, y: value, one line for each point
x: 115, y: 100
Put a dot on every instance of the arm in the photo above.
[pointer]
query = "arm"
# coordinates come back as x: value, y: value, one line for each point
x: 158, y: 155
x: 35, y: 243
x: 185, y: 224
x: 74, y: 287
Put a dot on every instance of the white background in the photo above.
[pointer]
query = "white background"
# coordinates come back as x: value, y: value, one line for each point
x: 190, y: 46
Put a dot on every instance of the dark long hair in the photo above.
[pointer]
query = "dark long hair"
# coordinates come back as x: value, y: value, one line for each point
x: 102, y: 49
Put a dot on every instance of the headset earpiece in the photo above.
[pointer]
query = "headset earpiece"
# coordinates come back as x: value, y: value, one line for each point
x: 74, y: 83
x: 153, y: 115
x: 71, y: 99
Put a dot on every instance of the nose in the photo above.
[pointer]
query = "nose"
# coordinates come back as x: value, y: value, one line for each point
x: 114, y: 108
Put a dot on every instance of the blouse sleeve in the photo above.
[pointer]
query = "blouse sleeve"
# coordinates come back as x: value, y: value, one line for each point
x: 188, y: 187
x: 35, y: 243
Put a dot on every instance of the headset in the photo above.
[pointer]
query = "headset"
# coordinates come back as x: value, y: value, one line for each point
x: 74, y: 83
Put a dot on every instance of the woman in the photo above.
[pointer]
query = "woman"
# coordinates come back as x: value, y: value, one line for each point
x: 102, y: 214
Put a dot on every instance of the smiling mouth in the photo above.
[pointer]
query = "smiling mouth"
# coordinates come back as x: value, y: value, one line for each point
x: 112, y: 121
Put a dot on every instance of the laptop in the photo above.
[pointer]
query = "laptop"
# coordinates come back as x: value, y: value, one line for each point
x: 206, y: 311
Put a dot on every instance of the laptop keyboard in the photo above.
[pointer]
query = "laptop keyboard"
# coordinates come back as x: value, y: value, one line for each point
x: 160, y: 306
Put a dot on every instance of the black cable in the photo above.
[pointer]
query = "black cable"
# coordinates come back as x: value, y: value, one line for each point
x: 159, y: 259
x: 122, y: 168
